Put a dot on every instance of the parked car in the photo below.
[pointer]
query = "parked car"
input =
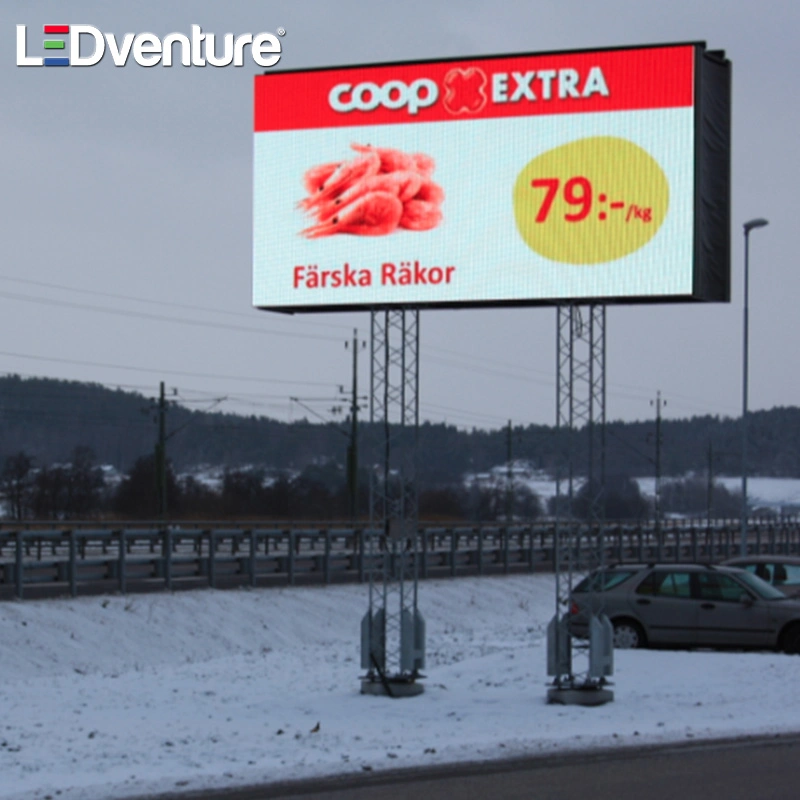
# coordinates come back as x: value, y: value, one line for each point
x: 783, y: 572
x: 691, y: 605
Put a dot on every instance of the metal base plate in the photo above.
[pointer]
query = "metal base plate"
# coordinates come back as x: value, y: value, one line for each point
x: 589, y: 696
x: 396, y: 688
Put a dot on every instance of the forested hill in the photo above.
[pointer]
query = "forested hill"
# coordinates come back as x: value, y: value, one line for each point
x: 48, y: 418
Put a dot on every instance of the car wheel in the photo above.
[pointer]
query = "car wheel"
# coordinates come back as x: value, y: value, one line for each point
x: 790, y: 639
x: 628, y: 635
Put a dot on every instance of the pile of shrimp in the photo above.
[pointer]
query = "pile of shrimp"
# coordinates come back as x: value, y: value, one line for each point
x: 373, y: 194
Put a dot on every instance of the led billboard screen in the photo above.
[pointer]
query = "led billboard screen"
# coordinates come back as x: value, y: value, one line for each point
x: 587, y: 176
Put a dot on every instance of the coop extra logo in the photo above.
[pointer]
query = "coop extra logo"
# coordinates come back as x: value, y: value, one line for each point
x: 88, y: 45
x: 466, y: 91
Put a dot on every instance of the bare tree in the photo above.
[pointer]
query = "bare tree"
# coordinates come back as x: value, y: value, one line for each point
x: 48, y: 493
x: 15, y: 482
x: 85, y: 483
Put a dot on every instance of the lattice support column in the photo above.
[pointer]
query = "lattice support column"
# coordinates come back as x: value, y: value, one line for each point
x: 580, y: 664
x: 393, y: 630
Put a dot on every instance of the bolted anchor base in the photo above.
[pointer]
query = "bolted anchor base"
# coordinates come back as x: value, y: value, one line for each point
x: 583, y: 696
x: 391, y: 688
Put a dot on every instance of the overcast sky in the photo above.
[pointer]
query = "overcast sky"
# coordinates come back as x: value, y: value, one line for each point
x: 127, y: 213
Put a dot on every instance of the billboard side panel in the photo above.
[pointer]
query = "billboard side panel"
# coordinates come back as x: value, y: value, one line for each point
x: 713, y: 224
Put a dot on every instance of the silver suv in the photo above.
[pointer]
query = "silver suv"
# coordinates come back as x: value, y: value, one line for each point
x: 689, y: 605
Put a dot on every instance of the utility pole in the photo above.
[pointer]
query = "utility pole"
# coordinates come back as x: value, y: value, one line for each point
x: 748, y: 226
x: 509, y: 476
x: 352, y: 447
x: 161, y: 455
x: 161, y: 443
x: 710, y: 488
x: 657, y: 507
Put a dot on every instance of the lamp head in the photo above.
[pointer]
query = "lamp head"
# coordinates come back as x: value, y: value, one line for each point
x: 754, y: 223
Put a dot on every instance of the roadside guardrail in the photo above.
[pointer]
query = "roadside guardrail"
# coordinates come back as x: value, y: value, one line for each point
x: 86, y: 558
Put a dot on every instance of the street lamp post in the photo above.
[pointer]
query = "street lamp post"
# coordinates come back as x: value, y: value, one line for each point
x: 748, y: 226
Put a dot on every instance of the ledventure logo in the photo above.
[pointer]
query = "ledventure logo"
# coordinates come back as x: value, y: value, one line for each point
x: 87, y: 45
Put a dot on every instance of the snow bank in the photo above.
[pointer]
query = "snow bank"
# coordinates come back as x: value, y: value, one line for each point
x: 109, y: 697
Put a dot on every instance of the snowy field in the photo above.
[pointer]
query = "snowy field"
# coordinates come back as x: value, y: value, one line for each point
x: 781, y: 495
x: 107, y: 697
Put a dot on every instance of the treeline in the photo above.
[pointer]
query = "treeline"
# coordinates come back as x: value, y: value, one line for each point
x: 48, y: 419
x: 80, y: 490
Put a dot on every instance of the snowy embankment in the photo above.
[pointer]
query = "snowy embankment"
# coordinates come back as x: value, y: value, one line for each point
x: 110, y: 697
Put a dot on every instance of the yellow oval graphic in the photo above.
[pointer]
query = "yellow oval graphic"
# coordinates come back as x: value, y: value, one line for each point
x: 590, y: 201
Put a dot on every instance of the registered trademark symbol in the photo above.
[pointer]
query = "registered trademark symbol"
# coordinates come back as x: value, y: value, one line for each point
x: 281, y: 31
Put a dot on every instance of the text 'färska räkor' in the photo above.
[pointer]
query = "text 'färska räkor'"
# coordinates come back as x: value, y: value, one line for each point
x: 401, y: 273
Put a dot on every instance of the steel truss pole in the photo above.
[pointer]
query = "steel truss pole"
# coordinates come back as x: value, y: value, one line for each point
x: 393, y: 630
x: 579, y: 666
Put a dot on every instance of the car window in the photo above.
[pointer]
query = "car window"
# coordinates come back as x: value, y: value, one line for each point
x: 716, y: 586
x: 675, y: 584
x: 761, y: 587
x: 762, y: 570
x: 777, y: 573
x: 603, y: 580
x: 785, y: 574
x: 666, y: 583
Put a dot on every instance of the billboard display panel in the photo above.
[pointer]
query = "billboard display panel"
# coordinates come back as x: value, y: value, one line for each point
x: 523, y: 179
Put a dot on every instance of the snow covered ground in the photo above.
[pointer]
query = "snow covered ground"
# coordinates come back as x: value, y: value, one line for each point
x: 781, y: 495
x: 107, y: 697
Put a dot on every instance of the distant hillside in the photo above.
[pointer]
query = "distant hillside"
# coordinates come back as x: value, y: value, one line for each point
x: 48, y: 418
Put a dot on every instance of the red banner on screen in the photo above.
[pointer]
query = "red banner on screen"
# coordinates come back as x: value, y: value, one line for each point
x: 480, y: 88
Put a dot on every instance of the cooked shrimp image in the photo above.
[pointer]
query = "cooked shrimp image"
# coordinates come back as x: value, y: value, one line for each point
x: 374, y: 193
x: 391, y: 160
x: 314, y: 178
x: 374, y: 214
x: 419, y: 215
x: 404, y: 185
x: 430, y: 192
x: 343, y: 177
x: 425, y: 164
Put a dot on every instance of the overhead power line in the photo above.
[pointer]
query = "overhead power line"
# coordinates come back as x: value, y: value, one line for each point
x: 202, y: 323
x: 151, y: 301
x: 151, y: 370
x: 468, y: 362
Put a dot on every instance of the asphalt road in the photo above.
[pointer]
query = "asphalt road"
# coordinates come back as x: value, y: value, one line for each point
x: 740, y: 769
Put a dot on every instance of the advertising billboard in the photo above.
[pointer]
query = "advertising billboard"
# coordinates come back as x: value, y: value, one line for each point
x: 586, y: 176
